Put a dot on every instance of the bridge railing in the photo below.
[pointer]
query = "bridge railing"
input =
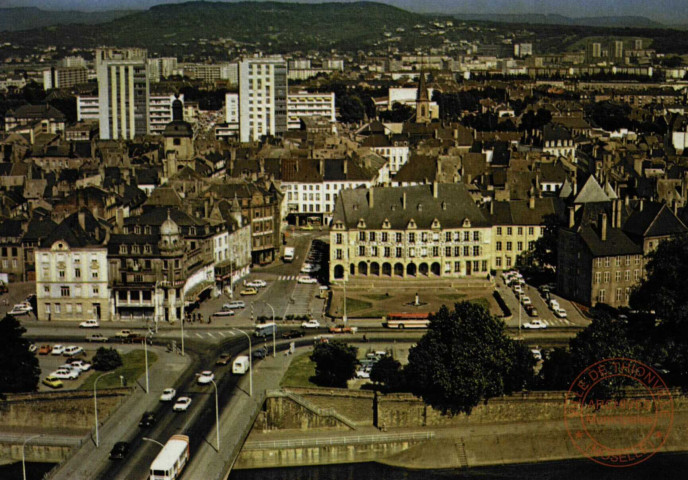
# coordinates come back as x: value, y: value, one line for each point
x: 338, y: 440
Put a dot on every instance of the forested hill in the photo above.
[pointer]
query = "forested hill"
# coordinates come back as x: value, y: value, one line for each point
x: 23, y: 18
x: 290, y: 25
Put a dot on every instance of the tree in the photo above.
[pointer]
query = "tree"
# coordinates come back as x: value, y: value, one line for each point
x: 545, y: 251
x: 19, y: 369
x: 398, y: 114
x: 557, y: 370
x: 335, y: 363
x: 465, y: 358
x: 520, y: 373
x: 106, y: 359
x: 387, y: 371
x: 351, y: 109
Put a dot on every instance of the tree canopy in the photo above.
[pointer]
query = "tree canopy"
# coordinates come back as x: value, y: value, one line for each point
x: 387, y: 371
x: 19, y: 369
x: 466, y: 357
x: 335, y: 363
x: 106, y: 359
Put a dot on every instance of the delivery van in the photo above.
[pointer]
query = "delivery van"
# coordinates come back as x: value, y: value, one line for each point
x: 240, y: 365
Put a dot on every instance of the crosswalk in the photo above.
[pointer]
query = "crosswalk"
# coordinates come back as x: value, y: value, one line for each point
x: 286, y: 278
x: 213, y: 335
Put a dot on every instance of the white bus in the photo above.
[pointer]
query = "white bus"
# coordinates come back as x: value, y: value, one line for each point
x: 171, y: 460
x: 288, y: 254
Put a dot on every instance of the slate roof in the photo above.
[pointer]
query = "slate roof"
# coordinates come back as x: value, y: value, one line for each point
x: 591, y: 192
x: 655, y: 220
x: 617, y: 243
x: 71, y: 232
x: 37, y: 112
x: 452, y: 205
x: 164, y: 197
x: 419, y: 168
x: 38, y: 229
x: 518, y: 212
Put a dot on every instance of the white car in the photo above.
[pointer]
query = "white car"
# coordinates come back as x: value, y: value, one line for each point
x: 168, y: 395
x: 57, y: 350
x: 234, y: 304
x: 560, y: 312
x: 72, y: 350
x: 310, y: 268
x: 362, y: 373
x: 205, y: 377
x: 537, y: 354
x: 306, y: 279
x: 525, y: 300
x: 93, y: 323
x: 553, y: 304
x: 65, y: 374
x: 535, y: 324
x: 311, y: 324
x: 257, y: 284
x: 81, y: 365
x: 182, y: 404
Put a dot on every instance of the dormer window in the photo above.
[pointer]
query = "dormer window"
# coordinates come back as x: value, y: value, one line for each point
x: 412, y: 224
x: 386, y: 223
x: 466, y: 223
x: 147, y: 249
x: 137, y: 230
x: 123, y: 249
x: 436, y: 224
x: 192, y: 231
x: 361, y: 223
x: 147, y: 229
x: 420, y: 207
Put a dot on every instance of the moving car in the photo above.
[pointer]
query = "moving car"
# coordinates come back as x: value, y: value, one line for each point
x: 168, y: 395
x: 234, y: 304
x: 45, y: 350
x: 147, y: 420
x: 310, y: 268
x: 249, y: 291
x: 93, y: 323
x: 124, y: 334
x: 311, y: 324
x: 531, y: 310
x: 560, y: 312
x: 182, y: 404
x: 362, y: 373
x: 525, y: 300
x: 52, y: 382
x: 306, y: 279
x: 343, y: 329
x: 293, y: 334
x: 257, y: 284
x: 225, y: 312
x: 260, y: 353
x: 97, y: 337
x: 119, y: 451
x: 223, y: 359
x: 205, y: 377
x: 57, y: 350
x: 32, y: 347
x: 535, y: 324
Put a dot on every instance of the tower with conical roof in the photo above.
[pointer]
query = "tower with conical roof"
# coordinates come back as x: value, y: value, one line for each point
x: 422, y: 101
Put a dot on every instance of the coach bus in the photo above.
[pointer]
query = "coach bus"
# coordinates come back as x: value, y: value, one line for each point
x: 406, y: 320
x: 170, y: 462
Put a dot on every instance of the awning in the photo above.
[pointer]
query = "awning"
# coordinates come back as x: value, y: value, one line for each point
x: 193, y: 294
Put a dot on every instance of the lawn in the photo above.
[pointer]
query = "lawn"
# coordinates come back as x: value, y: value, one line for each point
x: 376, y: 296
x: 452, y: 297
x: 133, y: 366
x: 482, y: 302
x: 299, y: 372
x: 354, y: 305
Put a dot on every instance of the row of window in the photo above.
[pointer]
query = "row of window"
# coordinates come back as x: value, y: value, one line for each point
x: 62, y: 273
x: 56, y: 308
x: 626, y: 260
x: 621, y: 294
x: 9, y: 251
x: 509, y: 246
x: 465, y: 251
x: 607, y: 277
x: 65, y: 291
x: 519, y: 230
x: 413, y: 236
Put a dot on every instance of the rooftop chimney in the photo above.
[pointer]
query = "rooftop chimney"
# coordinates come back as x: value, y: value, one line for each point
x: 82, y: 219
x: 492, y: 207
x: 603, y: 227
x: 435, y: 189
x: 618, y: 213
x: 640, y: 205
x: 403, y: 200
x: 572, y: 217
x: 346, y: 166
x: 531, y: 202
x: 371, y: 201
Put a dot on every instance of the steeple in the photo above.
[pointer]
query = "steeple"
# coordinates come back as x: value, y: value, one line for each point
x: 422, y: 101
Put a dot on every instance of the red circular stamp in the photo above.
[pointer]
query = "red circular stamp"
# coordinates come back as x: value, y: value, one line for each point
x: 618, y: 412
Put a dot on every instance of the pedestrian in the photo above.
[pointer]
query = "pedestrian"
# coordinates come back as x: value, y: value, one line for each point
x: 50, y: 315
x: 208, y: 319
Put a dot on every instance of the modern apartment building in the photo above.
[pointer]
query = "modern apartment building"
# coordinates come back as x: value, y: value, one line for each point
x: 123, y: 92
x: 64, y: 77
x: 305, y: 104
x: 262, y: 97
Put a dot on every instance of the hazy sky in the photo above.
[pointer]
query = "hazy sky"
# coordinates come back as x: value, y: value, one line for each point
x: 667, y: 11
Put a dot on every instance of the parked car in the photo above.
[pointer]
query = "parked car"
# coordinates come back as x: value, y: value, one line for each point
x: 311, y: 324
x: 182, y: 404
x: 205, y: 377
x: 119, y: 451
x: 343, y: 329
x: 362, y: 373
x: 32, y: 347
x: 52, y: 382
x: 223, y: 359
x: 257, y: 284
x: 306, y: 279
x: 97, y: 337
x: 72, y: 351
x: 537, y: 354
x: 535, y: 324
x: 310, y: 268
x: 65, y: 374
x: 224, y: 312
x: 57, y: 350
x: 23, y: 308
x: 249, y: 291
x: 293, y: 334
x: 81, y: 365
x: 168, y: 395
x: 45, y: 350
x: 93, y: 323
x: 147, y: 420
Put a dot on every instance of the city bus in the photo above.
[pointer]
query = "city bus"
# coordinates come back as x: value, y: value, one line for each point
x: 264, y: 329
x: 171, y: 460
x: 406, y: 320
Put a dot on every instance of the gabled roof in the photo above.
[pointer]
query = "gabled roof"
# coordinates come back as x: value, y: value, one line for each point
x: 73, y: 234
x: 617, y: 243
x: 164, y: 197
x: 654, y: 220
x: 591, y: 192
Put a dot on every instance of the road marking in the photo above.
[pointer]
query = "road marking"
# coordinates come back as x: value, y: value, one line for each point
x: 210, y: 334
x: 199, y: 335
x: 221, y: 334
x: 231, y: 333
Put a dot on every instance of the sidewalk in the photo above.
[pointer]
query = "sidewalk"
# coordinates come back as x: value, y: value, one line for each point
x: 88, y: 460
x: 237, y: 419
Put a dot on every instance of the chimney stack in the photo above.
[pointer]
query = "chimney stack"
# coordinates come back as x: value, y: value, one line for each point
x: 403, y: 200
x: 371, y: 201
x: 82, y: 219
x: 618, y: 213
x: 346, y: 166
x: 603, y: 227
x: 641, y: 204
x: 572, y: 217
x: 435, y: 189
x: 492, y: 207
x: 531, y: 202
x: 322, y: 167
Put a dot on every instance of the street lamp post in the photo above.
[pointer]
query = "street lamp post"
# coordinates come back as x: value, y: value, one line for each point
x: 151, y: 440
x: 145, y: 353
x: 344, y: 318
x: 217, y: 417
x: 250, y: 363
x: 95, y: 403
x: 23, y: 453
x: 182, y: 324
x: 274, y: 348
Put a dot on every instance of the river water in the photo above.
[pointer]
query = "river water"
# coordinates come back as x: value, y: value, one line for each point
x: 659, y: 467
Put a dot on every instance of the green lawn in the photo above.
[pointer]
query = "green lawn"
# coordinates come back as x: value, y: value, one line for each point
x: 299, y: 372
x: 354, y: 305
x: 133, y: 366
x: 452, y: 297
x: 481, y: 301
x: 376, y: 296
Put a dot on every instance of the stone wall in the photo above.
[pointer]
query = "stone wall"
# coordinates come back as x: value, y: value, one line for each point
x: 69, y: 409
x: 356, y: 405
x: 35, y: 452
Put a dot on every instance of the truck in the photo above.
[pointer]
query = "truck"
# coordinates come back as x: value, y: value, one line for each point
x: 240, y: 365
x: 288, y: 254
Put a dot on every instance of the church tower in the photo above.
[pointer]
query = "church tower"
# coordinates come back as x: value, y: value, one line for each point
x: 422, y: 101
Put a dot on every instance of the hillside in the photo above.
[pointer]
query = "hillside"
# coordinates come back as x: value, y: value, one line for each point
x: 291, y: 25
x: 544, y: 19
x: 22, y: 18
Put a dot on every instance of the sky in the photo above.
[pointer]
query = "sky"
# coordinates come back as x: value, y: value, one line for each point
x: 666, y: 11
